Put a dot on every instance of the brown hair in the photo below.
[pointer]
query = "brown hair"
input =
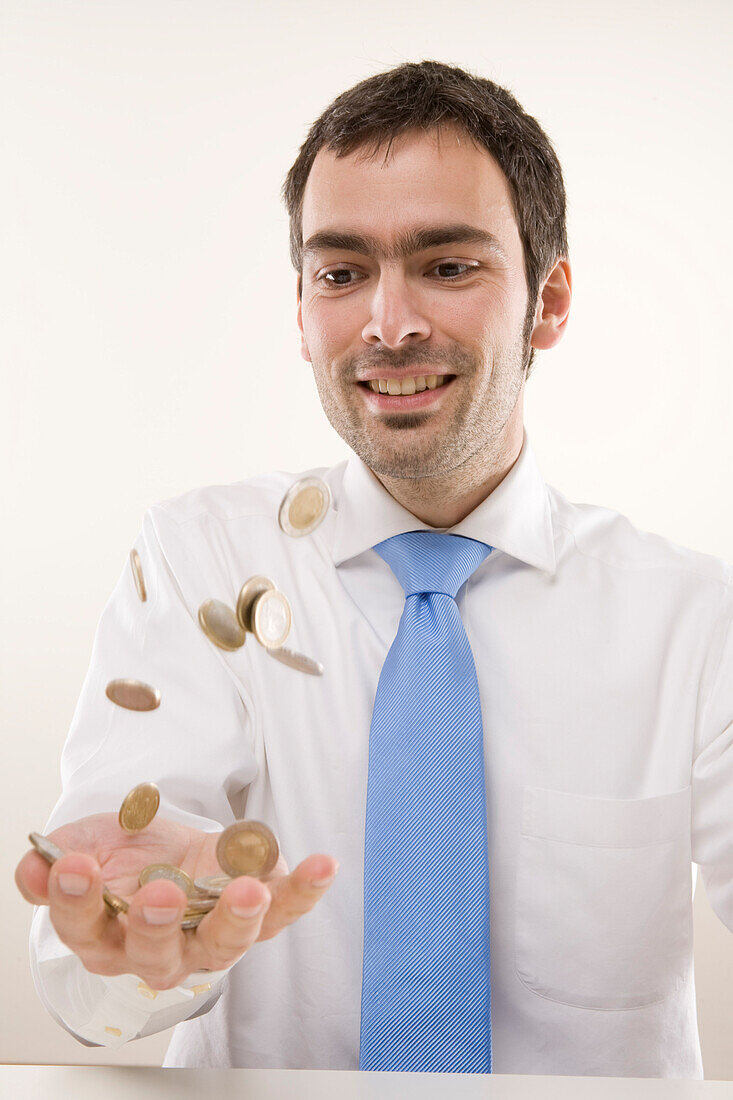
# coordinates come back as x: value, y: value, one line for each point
x: 428, y: 94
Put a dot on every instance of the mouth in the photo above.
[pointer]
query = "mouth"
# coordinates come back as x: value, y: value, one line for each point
x: 426, y: 390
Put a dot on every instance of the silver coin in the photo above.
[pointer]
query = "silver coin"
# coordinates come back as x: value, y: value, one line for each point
x: 220, y: 625
x: 297, y: 660
x: 213, y: 885
x: 304, y: 506
x: 137, y: 572
x: 271, y: 619
x: 133, y: 694
x: 45, y: 847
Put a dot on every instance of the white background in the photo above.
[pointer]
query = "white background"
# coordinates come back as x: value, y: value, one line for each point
x: 149, y: 342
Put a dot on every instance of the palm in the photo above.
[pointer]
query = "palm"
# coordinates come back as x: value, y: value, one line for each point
x: 122, y: 856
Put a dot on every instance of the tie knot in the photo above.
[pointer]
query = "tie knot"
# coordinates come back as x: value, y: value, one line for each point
x: 432, y: 561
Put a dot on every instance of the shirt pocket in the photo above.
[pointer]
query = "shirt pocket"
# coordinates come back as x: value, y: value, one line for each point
x: 603, y: 916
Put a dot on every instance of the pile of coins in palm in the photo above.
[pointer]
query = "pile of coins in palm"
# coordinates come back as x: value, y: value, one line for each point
x: 244, y: 848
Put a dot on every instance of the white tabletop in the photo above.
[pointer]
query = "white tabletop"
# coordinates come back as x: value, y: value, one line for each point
x: 128, y: 1083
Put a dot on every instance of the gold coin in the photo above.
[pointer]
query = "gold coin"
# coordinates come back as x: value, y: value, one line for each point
x: 297, y: 660
x: 45, y: 847
x: 168, y: 871
x: 139, y: 807
x: 220, y: 625
x: 248, y: 593
x: 304, y: 506
x: 137, y: 572
x: 114, y: 904
x: 213, y: 885
x: 133, y: 694
x: 271, y: 619
x: 247, y: 848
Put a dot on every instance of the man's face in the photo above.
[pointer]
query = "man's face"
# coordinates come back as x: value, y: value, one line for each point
x: 397, y: 306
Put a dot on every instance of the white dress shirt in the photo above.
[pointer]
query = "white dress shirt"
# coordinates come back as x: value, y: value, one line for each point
x: 604, y: 657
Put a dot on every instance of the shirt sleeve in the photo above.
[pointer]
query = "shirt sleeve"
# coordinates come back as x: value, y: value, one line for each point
x: 197, y: 745
x: 712, y: 774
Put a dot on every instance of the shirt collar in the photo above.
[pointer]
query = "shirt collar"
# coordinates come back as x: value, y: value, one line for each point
x: 515, y: 518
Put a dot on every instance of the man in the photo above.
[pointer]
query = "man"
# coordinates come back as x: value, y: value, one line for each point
x: 522, y: 738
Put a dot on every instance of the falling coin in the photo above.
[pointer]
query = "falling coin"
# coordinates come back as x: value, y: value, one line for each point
x: 168, y: 871
x: 213, y: 884
x: 137, y: 572
x: 219, y: 624
x: 271, y: 619
x: 248, y: 593
x: 247, y: 848
x: 297, y: 660
x: 133, y: 695
x: 139, y: 807
x: 304, y: 506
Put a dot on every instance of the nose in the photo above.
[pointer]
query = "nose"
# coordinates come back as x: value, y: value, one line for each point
x: 395, y: 315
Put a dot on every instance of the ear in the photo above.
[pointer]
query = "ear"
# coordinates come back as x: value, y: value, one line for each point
x: 303, y: 345
x: 553, y: 307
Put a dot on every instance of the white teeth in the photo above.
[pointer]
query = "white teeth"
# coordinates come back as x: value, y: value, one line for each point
x: 396, y: 386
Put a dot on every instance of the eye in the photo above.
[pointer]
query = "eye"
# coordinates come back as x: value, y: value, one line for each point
x: 326, y: 276
x: 468, y: 268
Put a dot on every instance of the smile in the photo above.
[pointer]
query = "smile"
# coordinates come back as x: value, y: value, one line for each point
x: 405, y: 394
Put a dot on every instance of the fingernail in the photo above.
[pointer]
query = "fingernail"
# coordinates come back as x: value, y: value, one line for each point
x: 158, y: 915
x: 76, y: 885
x: 247, y: 914
x: 318, y: 882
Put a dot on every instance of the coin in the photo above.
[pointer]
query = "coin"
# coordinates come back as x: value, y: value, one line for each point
x: 213, y: 885
x: 166, y: 870
x: 133, y: 695
x: 247, y: 848
x: 248, y: 593
x: 139, y: 807
x: 137, y: 572
x: 192, y: 922
x: 271, y: 619
x: 199, y: 905
x: 304, y: 506
x: 220, y: 625
x: 45, y: 847
x: 114, y: 904
x: 297, y: 660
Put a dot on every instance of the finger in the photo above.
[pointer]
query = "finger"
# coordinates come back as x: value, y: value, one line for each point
x: 295, y: 895
x: 31, y: 878
x: 231, y: 927
x: 78, y: 914
x: 155, y: 940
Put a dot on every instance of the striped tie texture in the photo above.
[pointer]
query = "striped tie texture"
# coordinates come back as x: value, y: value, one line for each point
x: 426, y: 991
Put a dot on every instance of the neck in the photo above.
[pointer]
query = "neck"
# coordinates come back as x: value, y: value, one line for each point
x: 445, y: 499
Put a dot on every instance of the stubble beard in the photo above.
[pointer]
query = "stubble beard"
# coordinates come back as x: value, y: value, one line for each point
x: 407, y: 446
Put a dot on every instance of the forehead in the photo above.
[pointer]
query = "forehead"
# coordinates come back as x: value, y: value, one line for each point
x: 429, y: 178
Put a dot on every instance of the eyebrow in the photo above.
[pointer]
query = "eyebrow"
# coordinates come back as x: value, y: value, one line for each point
x: 408, y: 243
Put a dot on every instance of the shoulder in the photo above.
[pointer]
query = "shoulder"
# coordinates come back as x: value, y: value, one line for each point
x: 259, y: 495
x: 612, y: 539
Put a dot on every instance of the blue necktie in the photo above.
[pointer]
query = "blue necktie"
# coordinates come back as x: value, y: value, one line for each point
x: 426, y: 991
